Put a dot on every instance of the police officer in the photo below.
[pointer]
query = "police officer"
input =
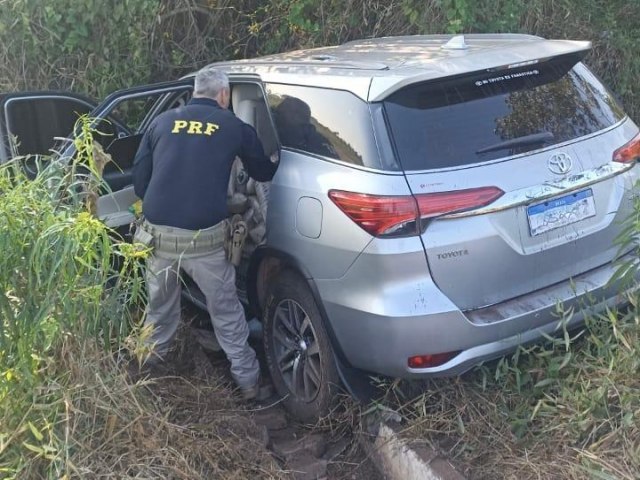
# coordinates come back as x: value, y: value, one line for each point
x: 181, y: 171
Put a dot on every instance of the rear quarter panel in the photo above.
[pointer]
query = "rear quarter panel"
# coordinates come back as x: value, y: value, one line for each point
x: 340, y: 240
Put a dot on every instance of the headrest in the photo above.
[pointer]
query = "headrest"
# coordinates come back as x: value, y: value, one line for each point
x: 245, y: 110
x: 244, y: 91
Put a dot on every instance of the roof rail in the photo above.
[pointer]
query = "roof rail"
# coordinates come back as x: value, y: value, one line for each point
x: 313, y: 61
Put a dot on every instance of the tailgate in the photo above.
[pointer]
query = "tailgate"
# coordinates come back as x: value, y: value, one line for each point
x: 544, y: 135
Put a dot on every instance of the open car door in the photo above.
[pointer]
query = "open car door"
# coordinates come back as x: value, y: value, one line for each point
x: 31, y: 121
x: 128, y: 113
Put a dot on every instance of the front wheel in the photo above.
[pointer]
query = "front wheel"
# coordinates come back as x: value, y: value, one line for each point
x: 298, y: 350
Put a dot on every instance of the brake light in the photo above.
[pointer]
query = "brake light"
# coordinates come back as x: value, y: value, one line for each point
x: 386, y: 216
x: 443, y: 203
x: 378, y: 215
x: 629, y: 152
x: 430, y: 360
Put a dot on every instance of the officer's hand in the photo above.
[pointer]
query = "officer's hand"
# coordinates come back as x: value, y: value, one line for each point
x: 275, y: 157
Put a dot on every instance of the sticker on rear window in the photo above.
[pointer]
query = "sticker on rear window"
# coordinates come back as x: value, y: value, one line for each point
x: 510, y: 76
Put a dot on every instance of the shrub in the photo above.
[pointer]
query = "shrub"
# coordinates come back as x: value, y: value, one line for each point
x: 95, y: 47
x: 60, y: 292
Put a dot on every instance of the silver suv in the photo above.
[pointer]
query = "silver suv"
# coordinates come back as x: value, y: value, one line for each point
x: 437, y: 198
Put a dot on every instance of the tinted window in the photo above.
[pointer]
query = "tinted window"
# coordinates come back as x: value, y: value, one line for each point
x: 469, y: 119
x: 35, y: 122
x: 331, y: 123
x: 130, y: 112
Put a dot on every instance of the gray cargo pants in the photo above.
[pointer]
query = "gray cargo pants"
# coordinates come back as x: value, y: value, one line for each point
x: 215, y: 276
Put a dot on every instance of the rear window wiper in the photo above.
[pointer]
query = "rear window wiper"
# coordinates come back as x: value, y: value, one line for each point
x: 542, y: 137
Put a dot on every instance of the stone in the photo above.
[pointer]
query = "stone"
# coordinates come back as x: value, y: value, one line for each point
x: 272, y: 418
x: 398, y: 459
x: 313, y: 444
x: 306, y: 467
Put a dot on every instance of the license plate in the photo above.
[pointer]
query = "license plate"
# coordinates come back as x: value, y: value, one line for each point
x: 560, y: 212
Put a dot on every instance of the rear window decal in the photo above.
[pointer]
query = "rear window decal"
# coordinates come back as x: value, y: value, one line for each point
x: 502, y: 78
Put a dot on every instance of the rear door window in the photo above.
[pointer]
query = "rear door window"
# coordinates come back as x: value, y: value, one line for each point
x: 491, y: 115
x: 33, y: 121
x: 332, y: 123
x: 133, y: 110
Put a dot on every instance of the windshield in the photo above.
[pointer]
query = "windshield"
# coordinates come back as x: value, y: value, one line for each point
x: 490, y: 115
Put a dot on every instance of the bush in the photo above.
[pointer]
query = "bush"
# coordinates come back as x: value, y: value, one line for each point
x: 95, y: 47
x: 60, y: 294
x: 83, y: 45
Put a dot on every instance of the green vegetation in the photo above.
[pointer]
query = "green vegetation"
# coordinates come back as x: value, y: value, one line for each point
x: 94, y: 47
x: 59, y: 295
x: 69, y: 297
x: 568, y: 409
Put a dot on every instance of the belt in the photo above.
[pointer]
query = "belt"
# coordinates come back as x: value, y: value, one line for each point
x: 180, y: 242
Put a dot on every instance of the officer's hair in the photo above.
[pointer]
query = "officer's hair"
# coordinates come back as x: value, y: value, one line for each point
x: 209, y: 82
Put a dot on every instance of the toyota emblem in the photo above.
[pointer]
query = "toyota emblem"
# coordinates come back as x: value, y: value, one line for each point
x: 560, y: 163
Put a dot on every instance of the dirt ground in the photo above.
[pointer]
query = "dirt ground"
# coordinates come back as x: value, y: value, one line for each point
x: 199, y: 391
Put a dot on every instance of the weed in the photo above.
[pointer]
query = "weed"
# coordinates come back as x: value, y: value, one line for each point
x: 70, y: 292
x: 57, y: 283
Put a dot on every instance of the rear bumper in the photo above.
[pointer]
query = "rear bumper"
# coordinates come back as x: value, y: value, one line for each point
x: 380, y: 324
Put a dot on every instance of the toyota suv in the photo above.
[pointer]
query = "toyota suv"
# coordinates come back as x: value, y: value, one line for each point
x: 437, y: 198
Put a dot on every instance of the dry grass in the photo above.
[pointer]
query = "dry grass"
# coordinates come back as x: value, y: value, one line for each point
x: 171, y: 428
x: 525, y: 418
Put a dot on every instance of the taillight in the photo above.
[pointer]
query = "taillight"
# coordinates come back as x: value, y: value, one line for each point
x: 629, y: 152
x: 443, y: 203
x: 430, y: 360
x: 390, y: 216
x: 378, y: 215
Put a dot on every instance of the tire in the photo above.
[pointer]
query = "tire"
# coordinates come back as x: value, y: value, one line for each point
x: 298, y: 350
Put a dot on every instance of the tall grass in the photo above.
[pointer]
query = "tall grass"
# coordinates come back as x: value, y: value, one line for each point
x: 70, y: 293
x: 567, y: 409
x: 58, y: 287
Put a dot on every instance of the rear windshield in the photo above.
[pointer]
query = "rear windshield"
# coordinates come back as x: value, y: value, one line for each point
x: 491, y: 115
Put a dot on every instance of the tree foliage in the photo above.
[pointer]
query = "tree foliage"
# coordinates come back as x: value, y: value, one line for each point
x: 95, y: 46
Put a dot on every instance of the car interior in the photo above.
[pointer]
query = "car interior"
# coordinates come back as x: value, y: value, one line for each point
x: 249, y: 105
x: 118, y: 173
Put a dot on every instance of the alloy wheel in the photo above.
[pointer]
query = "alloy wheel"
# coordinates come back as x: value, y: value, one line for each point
x: 297, y: 351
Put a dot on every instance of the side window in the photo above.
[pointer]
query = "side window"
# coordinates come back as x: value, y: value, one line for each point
x: 179, y: 99
x: 166, y: 102
x: 127, y: 117
x: 33, y: 123
x: 331, y: 123
x: 131, y: 116
x: 130, y: 113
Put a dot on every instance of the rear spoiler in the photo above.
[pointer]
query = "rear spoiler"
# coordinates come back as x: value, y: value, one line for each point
x: 479, y: 60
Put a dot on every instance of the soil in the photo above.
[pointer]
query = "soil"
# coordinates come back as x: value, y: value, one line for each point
x: 328, y: 450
